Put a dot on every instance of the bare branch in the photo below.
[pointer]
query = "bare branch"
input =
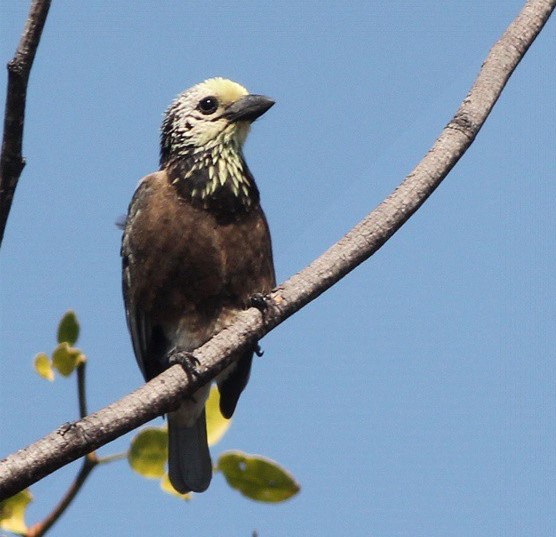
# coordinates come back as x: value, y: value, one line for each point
x: 19, y: 68
x: 165, y: 391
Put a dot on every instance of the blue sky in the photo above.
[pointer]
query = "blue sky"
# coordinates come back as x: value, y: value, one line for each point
x: 417, y: 397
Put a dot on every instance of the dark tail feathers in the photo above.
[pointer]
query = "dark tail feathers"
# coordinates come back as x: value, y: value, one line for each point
x: 189, y: 464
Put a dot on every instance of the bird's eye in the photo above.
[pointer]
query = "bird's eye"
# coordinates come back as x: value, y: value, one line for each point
x: 208, y: 105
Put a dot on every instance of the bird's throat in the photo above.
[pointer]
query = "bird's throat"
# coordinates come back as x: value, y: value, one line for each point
x: 218, y: 181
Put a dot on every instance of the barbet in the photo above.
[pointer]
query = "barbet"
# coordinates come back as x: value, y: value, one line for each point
x: 196, y: 248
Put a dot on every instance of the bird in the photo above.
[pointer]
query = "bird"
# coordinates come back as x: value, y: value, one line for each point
x: 196, y: 250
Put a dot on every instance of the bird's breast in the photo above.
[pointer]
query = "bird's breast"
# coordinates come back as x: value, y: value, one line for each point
x: 188, y: 264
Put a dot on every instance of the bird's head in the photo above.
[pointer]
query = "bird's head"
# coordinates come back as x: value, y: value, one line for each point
x: 211, y: 117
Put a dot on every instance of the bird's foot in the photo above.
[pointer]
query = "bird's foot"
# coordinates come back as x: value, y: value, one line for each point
x: 259, y: 301
x: 186, y: 359
x: 266, y: 304
x: 262, y: 303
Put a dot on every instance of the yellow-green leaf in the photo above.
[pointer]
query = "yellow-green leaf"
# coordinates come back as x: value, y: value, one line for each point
x: 12, y: 512
x: 257, y: 477
x: 66, y: 358
x: 43, y: 366
x: 68, y: 328
x: 167, y: 487
x: 148, y: 452
x: 217, y: 424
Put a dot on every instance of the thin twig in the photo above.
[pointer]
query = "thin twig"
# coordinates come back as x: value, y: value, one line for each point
x: 90, y: 461
x: 164, y: 392
x: 40, y: 528
x: 81, y: 389
x: 19, y: 68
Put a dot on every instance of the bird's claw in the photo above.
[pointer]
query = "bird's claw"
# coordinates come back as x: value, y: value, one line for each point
x: 259, y: 301
x: 186, y: 359
x: 265, y: 304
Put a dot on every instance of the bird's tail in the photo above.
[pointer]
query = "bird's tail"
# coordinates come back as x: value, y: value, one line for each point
x: 189, y: 464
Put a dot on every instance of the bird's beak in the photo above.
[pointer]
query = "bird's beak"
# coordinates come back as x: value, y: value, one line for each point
x: 248, y: 108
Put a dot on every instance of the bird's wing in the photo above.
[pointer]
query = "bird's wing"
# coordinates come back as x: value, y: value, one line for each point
x: 137, y: 321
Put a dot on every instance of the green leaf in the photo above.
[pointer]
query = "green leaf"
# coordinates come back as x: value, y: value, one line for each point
x: 66, y: 358
x: 217, y: 424
x: 43, y: 366
x: 257, y: 477
x: 12, y: 512
x: 167, y: 487
x: 68, y: 329
x: 148, y: 452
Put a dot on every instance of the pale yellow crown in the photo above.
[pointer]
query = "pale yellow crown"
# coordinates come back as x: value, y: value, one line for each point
x: 226, y: 90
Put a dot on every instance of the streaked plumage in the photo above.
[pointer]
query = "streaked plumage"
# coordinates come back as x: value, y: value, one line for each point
x: 196, y: 247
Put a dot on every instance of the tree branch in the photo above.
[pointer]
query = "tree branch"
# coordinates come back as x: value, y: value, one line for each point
x: 165, y: 391
x: 19, y: 68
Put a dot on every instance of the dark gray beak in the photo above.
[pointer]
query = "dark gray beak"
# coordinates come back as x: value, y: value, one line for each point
x: 248, y: 108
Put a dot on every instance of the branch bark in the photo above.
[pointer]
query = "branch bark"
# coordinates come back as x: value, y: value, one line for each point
x: 19, y: 68
x: 163, y: 393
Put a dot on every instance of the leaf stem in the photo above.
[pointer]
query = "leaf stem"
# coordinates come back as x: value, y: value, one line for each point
x: 112, y: 458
